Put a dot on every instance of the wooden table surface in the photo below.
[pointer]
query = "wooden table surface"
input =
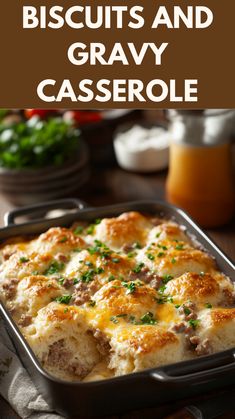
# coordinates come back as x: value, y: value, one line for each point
x: 111, y: 186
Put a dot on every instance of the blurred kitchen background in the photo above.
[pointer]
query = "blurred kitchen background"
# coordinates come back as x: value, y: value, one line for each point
x: 105, y: 157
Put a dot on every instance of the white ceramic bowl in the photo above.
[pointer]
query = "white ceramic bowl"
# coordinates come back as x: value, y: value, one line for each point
x: 137, y: 151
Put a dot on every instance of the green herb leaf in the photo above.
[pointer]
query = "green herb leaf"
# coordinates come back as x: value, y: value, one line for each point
x: 54, y: 268
x: 131, y: 287
x: 88, y: 263
x: 64, y: 239
x: 208, y: 305
x: 35, y: 144
x: 194, y: 323
x: 88, y: 276
x: 64, y: 299
x: 131, y: 254
x: 115, y: 260
x: 61, y: 280
x: 162, y: 247
x: 114, y: 319
x: 162, y: 289
x: 77, y: 250
x: 137, y: 245
x: 75, y: 281
x: 24, y: 259
x: 138, y: 268
x: 167, y: 278
x: 78, y: 230
x: 91, y: 229
x: 99, y: 271
x: 148, y: 318
x: 132, y: 320
x: 179, y: 247
x: 150, y: 256
x: 187, y: 311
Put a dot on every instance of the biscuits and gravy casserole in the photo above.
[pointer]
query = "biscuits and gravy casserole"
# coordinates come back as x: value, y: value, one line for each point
x: 116, y: 296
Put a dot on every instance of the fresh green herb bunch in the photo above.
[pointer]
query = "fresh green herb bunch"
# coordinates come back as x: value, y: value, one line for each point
x: 35, y: 143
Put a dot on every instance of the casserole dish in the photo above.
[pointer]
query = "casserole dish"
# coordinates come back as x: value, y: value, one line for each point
x: 138, y: 390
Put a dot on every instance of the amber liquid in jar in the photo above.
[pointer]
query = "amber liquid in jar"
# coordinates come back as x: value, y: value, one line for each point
x: 201, y: 181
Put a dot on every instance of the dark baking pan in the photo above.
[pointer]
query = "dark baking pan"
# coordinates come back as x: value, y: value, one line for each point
x: 148, y: 388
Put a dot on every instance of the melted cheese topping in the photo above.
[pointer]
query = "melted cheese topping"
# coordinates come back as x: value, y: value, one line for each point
x: 116, y: 296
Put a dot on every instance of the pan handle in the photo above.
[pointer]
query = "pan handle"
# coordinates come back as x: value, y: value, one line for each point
x: 10, y: 217
x: 194, y: 378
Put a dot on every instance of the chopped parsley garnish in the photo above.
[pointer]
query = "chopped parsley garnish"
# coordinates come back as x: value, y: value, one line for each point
x: 75, y: 281
x: 92, y: 303
x: 132, y: 320
x: 101, y: 249
x: 77, y: 250
x: 114, y: 319
x: 131, y: 254
x: 160, y: 254
x: 24, y: 259
x: 194, y: 323
x: 167, y: 278
x: 66, y: 310
x: 131, y: 286
x: 173, y: 260
x: 208, y: 305
x: 99, y: 271
x: 61, y: 280
x: 137, y: 245
x: 148, y: 318
x: 179, y: 247
x: 54, y: 268
x: 115, y: 260
x: 150, y: 256
x: 177, y: 306
x: 88, y: 263
x: 64, y: 299
x: 64, y: 239
x: 111, y: 278
x: 91, y: 229
x: 162, y: 247
x: 158, y: 235
x: 88, y: 276
x: 138, y: 268
x: 164, y: 299
x: 162, y: 289
x: 78, y: 230
x: 187, y: 311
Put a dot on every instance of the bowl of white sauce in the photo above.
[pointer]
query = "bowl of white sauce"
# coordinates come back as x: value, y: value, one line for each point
x: 142, y: 148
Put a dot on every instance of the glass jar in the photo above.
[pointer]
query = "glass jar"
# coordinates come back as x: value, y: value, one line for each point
x: 201, y: 178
